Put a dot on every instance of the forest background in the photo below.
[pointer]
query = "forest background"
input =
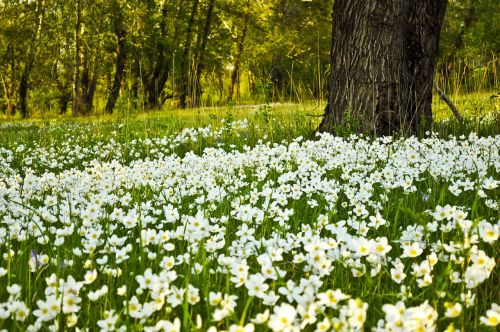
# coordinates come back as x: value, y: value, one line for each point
x: 82, y: 57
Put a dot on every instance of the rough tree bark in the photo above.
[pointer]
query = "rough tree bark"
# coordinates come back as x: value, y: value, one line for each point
x: 383, y: 60
x: 120, y: 33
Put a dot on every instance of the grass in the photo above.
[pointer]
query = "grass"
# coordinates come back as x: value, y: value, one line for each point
x: 199, y: 196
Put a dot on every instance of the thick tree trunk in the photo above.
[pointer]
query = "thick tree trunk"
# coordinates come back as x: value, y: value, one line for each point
x: 239, y: 52
x: 121, y: 55
x: 184, y: 67
x: 383, y: 61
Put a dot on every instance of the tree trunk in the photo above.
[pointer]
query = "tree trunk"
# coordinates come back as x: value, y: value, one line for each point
x: 90, y: 87
x: 121, y: 54
x: 199, y: 62
x: 239, y: 52
x: 86, y: 62
x: 9, y: 86
x: 383, y: 60
x: 77, y: 102
x: 30, y: 59
x: 156, y: 80
x: 11, y: 108
x: 184, y: 67
x: 63, y: 89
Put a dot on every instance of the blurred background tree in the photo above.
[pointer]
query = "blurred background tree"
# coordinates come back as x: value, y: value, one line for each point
x: 85, y: 57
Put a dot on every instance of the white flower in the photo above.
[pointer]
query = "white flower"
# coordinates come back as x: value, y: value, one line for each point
x: 357, y: 313
x: 397, y: 275
x: 283, y: 318
x: 238, y: 328
x: 488, y: 232
x: 90, y: 276
x: 122, y: 291
x: 70, y: 303
x: 109, y: 322
x: 256, y: 285
x: 331, y: 298
x: 14, y: 289
x: 261, y: 318
x: 453, y: 309
x: 492, y: 317
x: 134, y: 308
x: 412, y: 250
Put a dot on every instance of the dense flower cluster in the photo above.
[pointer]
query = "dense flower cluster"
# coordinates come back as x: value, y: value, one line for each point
x: 80, y: 147
x: 304, y: 235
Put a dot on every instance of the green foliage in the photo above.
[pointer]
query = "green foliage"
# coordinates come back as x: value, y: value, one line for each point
x: 469, y: 46
x: 284, y: 56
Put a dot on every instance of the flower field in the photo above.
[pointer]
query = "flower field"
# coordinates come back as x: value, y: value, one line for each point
x: 205, y: 230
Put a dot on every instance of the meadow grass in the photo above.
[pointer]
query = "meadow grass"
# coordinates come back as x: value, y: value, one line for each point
x: 242, y: 218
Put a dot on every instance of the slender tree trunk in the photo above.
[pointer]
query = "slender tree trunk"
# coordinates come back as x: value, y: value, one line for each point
x: 120, y: 33
x: 184, y: 67
x: 382, y: 65
x: 239, y: 52
x: 9, y: 86
x: 30, y: 59
x: 77, y: 102
x: 157, y: 78
x: 90, y: 87
x: 11, y: 109
x: 64, y: 92
x: 87, y: 72
x: 199, y: 62
x: 84, y: 82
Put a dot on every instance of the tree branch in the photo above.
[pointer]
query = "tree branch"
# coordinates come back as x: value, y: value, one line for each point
x: 450, y: 104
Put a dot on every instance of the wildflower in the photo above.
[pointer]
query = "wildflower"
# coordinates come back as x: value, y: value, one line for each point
x: 256, y: 285
x: 238, y: 328
x: 492, y: 317
x: 397, y: 275
x: 134, y: 308
x: 261, y: 318
x: 90, y: 276
x: 283, y: 318
x: 109, y: 321
x: 452, y: 309
x: 331, y: 298
x: 412, y: 250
